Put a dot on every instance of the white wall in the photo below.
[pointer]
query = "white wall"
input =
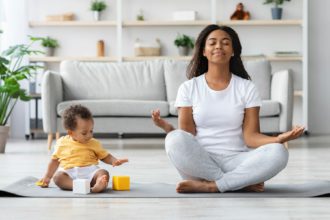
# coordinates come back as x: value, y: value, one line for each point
x: 319, y: 66
x: 81, y: 41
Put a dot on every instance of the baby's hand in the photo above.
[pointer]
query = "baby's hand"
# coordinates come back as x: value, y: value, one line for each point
x: 119, y: 162
x: 44, y: 182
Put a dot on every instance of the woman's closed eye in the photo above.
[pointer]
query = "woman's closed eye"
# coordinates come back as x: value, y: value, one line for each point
x: 225, y: 42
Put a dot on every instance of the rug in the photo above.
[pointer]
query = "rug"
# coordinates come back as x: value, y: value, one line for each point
x: 26, y: 188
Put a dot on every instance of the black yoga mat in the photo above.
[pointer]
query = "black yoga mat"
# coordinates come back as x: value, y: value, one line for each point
x: 26, y: 188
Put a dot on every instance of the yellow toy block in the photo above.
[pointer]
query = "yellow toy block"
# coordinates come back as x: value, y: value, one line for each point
x: 41, y: 183
x: 120, y: 183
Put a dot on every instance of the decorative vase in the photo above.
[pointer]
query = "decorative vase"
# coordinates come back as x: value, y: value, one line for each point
x: 97, y: 15
x: 183, y: 51
x: 100, y: 48
x: 4, y: 131
x: 277, y: 13
x: 49, y: 51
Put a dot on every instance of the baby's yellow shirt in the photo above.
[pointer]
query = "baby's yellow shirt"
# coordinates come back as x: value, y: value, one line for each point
x: 71, y: 153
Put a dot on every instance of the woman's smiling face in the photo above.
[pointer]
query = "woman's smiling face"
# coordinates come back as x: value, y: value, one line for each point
x: 218, y: 47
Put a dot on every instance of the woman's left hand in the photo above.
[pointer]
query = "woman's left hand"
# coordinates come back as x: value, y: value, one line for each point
x: 290, y: 135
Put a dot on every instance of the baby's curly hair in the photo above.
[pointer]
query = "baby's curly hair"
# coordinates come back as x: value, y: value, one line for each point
x: 71, y: 114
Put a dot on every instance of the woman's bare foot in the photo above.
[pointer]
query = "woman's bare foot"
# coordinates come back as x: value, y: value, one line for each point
x: 195, y: 186
x: 158, y: 121
x: 260, y: 187
x: 101, y: 184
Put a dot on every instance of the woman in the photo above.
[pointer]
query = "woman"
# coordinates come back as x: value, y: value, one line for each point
x: 218, y: 146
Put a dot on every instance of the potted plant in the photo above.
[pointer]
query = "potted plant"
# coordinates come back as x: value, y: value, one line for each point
x: 184, y: 43
x: 140, y: 16
x: 11, y: 73
x: 97, y: 6
x: 50, y: 44
x: 276, y: 11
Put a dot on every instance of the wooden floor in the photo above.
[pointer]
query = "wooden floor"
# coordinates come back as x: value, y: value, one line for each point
x: 309, y: 160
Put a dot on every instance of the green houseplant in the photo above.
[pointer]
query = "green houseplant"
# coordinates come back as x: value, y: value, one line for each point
x: 140, y: 16
x: 11, y: 73
x: 276, y: 10
x: 97, y: 6
x: 184, y: 43
x: 50, y: 44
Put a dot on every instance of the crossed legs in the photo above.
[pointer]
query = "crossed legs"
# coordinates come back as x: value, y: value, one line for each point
x: 204, y: 173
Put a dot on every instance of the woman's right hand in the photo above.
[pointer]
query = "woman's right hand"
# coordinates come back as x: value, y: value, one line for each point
x: 158, y: 121
x: 291, y: 135
x: 155, y: 115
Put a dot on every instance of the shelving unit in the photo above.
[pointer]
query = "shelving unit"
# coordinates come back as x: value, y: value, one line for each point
x: 35, y: 128
x: 164, y: 23
x: 125, y: 27
x: 59, y: 59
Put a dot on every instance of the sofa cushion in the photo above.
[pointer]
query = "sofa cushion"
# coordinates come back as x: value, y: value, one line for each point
x: 260, y: 72
x: 135, y: 108
x: 100, y: 80
x: 173, y: 109
x: 175, y: 75
x: 268, y: 108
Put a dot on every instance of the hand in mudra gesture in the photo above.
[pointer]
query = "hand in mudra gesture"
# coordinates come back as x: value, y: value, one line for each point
x: 291, y: 135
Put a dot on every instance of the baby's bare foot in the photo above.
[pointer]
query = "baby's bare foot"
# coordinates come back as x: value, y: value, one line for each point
x: 158, y: 121
x: 195, y: 186
x: 260, y: 187
x: 101, y: 184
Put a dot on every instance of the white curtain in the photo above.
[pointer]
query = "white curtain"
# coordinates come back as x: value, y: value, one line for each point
x: 15, y: 30
x: 15, y: 22
x: 1, y: 22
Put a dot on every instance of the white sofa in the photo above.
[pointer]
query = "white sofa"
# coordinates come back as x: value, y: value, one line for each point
x: 122, y: 95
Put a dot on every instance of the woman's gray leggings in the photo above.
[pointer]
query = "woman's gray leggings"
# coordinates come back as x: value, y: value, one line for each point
x: 230, y: 170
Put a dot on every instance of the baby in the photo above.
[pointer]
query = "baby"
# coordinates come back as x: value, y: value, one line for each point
x: 78, y: 153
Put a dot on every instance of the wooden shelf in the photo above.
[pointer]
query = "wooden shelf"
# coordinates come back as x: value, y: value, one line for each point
x: 141, y: 58
x: 165, y: 23
x: 37, y: 130
x: 72, y: 23
x: 35, y: 95
x: 284, y: 58
x: 59, y: 59
x: 261, y: 23
x: 298, y: 93
x: 270, y: 58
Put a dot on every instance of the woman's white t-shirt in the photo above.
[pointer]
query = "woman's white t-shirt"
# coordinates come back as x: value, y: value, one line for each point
x: 218, y: 115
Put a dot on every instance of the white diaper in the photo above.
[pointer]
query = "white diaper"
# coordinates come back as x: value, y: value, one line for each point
x: 82, y: 172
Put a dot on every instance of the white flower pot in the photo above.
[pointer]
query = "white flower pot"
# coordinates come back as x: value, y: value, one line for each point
x: 183, y: 51
x: 49, y: 51
x: 4, y: 131
x: 97, y: 15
